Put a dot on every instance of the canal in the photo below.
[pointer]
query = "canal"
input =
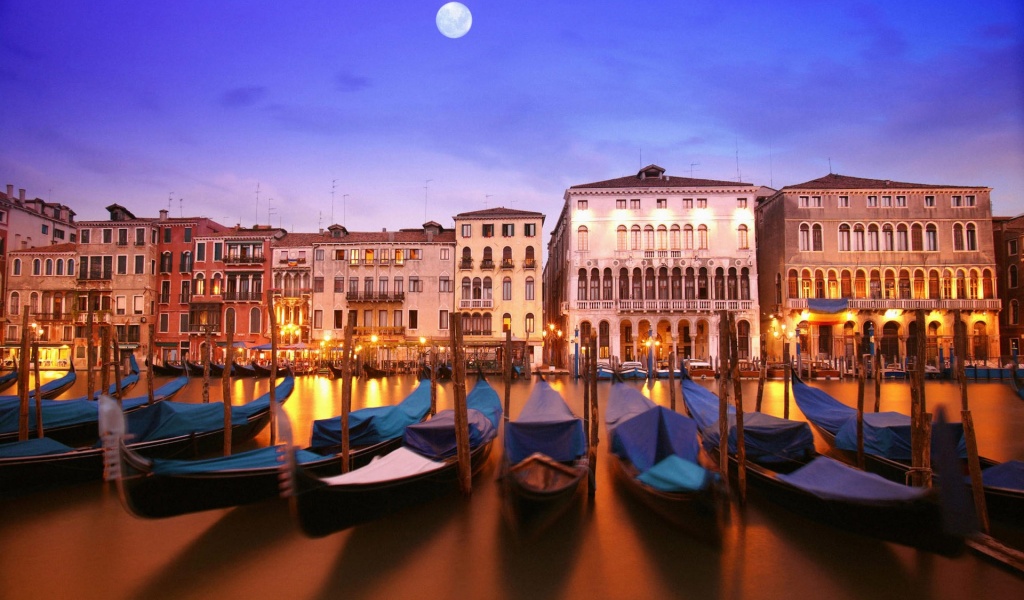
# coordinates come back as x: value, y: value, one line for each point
x: 78, y: 542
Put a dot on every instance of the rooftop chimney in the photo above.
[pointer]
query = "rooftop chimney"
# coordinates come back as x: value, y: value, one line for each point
x: 10, y: 190
x: 163, y: 214
x: 21, y: 193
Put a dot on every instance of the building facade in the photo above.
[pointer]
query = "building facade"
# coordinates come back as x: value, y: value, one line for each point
x: 398, y: 284
x: 498, y: 254
x: 880, y: 250
x: 41, y: 282
x: 1008, y: 238
x: 648, y: 262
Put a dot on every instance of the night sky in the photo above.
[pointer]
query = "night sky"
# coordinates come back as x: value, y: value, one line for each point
x: 189, y: 105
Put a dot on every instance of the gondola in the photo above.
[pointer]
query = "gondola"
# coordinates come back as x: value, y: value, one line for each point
x: 632, y: 369
x: 655, y: 456
x: 71, y: 421
x: 783, y: 466
x: 240, y: 370
x: 423, y: 468
x: 199, y: 369
x: 8, y: 379
x: 373, y: 372
x: 887, y: 448
x: 50, y: 389
x: 47, y: 461
x: 155, y: 488
x: 261, y: 370
x: 336, y: 371
x: 545, y: 461
x: 169, y: 369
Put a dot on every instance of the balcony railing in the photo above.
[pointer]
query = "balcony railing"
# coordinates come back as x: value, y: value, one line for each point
x: 286, y: 260
x: 243, y: 296
x: 466, y: 263
x: 95, y: 275
x: 202, y: 327
x: 52, y: 316
x: 375, y: 296
x: 530, y: 263
x: 244, y: 259
x: 487, y: 265
x: 508, y: 263
x: 908, y: 304
x: 184, y: 298
x: 380, y: 332
x: 164, y: 299
x: 476, y: 303
x: 682, y: 305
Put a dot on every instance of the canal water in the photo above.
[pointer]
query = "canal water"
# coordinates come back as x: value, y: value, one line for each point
x: 78, y: 542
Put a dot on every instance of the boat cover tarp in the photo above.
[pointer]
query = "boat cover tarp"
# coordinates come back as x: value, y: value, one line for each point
x: 820, y: 408
x: 624, y: 403
x: 49, y: 386
x: 436, y: 438
x: 33, y: 447
x: 545, y: 425
x: 56, y: 413
x: 832, y: 480
x: 766, y: 438
x: 403, y: 462
x: 172, y: 419
x: 368, y: 426
x: 650, y: 437
x: 1007, y: 475
x: 163, y: 392
x: 253, y: 459
x: 675, y: 474
x: 888, y: 434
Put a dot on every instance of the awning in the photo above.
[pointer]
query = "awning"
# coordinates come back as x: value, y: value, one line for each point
x: 826, y: 311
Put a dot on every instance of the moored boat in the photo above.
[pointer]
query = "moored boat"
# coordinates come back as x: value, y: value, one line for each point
x: 423, y: 468
x: 545, y: 461
x: 782, y: 464
x: 699, y: 369
x: 155, y: 488
x: 655, y: 455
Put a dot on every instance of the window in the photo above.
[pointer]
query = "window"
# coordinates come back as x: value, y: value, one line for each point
x: 956, y: 201
x: 508, y: 229
x: 702, y: 237
x: 810, y: 201
x: 506, y: 289
x: 634, y: 204
x: 467, y: 230
x: 529, y: 229
x: 688, y: 237
x: 872, y: 201
x: 901, y: 201
x: 218, y: 251
x: 121, y: 305
x: 968, y: 200
x: 902, y: 240
x: 415, y: 286
x: 702, y: 202
x: 201, y: 252
x: 46, y: 229
x: 84, y: 235
x: 958, y: 237
x: 108, y: 236
x: 446, y: 254
x: 414, y: 319
x: 621, y: 238
x: 442, y: 319
x: 742, y: 231
x: 816, y: 241
x: 844, y: 238
x: 581, y: 205
x: 140, y: 264
x: 662, y: 202
x: 887, y: 238
x: 165, y: 322
x: 843, y: 202
x: 931, y: 238
x: 886, y: 201
x: 397, y: 318
x: 318, y: 255
x: 17, y: 266
x: 648, y: 237
x: 398, y: 285
x: 687, y: 202
x: 741, y: 203
x: 488, y: 230
x: 339, y: 285
x: 415, y: 254
x: 805, y: 237
x: 188, y: 235
x: 530, y: 288
x: 929, y: 201
x: 1011, y: 247
x: 506, y: 322
x: 620, y: 203
x: 1012, y: 277
x: 634, y: 237
x: 318, y: 284
x: 36, y: 267
x: 137, y: 305
x: 529, y: 323
x: 873, y: 238
x: 972, y: 237
x: 382, y: 318
x: 444, y: 284
x: 582, y: 241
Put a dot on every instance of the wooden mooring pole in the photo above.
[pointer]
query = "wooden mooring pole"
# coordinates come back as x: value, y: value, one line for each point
x: 225, y: 378
x: 461, y: 410
x: 346, y: 391
x: 973, y: 462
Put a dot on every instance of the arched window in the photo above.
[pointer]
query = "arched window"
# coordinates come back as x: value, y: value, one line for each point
x: 506, y: 258
x: 478, y: 293
x: 858, y: 238
x: 873, y: 238
x: 794, y: 284
x: 36, y: 267
x: 17, y: 267
x: 582, y: 241
x: 621, y: 238
x: 531, y: 259
x: 649, y: 237
x: 673, y: 237
x: 845, y: 284
x: 15, y: 307
x: 606, y: 285
x: 662, y: 237
x: 745, y: 284
x: 702, y: 237
x: 916, y: 238
x: 688, y: 237
x: 987, y: 285
x: 60, y: 266
x: 529, y: 323
x: 71, y: 266
x: 199, y: 285
x: 860, y: 289
x: 634, y: 238
x: 529, y: 288
x: 581, y: 285
x: 467, y: 289
x: 741, y: 232
x: 902, y: 238
x: 972, y: 237
x: 958, y: 237
x: 1011, y: 277
x: 934, y: 289
x: 817, y: 243
x: 805, y: 237
x: 844, y: 238
x: 1013, y: 318
x: 506, y: 322
x: 49, y: 266
x: 487, y: 288
x: 887, y: 238
x: 506, y: 288
x: 931, y: 238
x: 488, y: 257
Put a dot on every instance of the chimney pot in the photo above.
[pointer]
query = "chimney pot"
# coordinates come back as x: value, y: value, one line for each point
x: 21, y: 193
x: 10, y: 190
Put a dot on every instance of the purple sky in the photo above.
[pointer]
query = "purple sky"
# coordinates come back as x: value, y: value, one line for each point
x: 199, y: 101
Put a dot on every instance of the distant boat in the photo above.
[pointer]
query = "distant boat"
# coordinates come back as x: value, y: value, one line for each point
x: 699, y: 369
x: 8, y: 379
x: 50, y: 389
x: 168, y: 369
x: 199, y: 369
x: 632, y: 369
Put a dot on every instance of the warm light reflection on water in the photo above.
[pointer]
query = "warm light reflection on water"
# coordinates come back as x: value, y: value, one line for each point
x: 609, y: 547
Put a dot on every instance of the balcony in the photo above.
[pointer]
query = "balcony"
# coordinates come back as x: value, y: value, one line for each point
x: 214, y: 328
x: 375, y: 296
x: 164, y: 299
x: 95, y: 275
x: 476, y: 303
x: 508, y: 263
x: 907, y: 304
x: 487, y: 265
x: 293, y: 292
x: 530, y: 263
x: 291, y: 261
x: 244, y: 259
x: 691, y: 305
x: 47, y: 315
x: 380, y: 332
x: 233, y: 296
x: 466, y: 264
x: 184, y: 298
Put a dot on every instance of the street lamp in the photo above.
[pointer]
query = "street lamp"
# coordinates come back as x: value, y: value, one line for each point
x: 576, y: 353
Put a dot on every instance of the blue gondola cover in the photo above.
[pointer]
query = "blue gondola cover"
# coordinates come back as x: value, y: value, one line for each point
x: 376, y: 424
x: 545, y: 425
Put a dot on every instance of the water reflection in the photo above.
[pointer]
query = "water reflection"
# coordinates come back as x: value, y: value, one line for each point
x: 463, y: 547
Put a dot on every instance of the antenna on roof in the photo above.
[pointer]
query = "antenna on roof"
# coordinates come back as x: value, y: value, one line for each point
x: 333, y: 181
x: 181, y: 207
x: 739, y: 178
x: 830, y: 165
x: 426, y: 190
x: 257, y: 202
x: 343, y: 207
x: 692, y: 165
x: 170, y: 198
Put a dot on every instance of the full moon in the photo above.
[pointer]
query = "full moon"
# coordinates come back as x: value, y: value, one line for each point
x: 454, y: 20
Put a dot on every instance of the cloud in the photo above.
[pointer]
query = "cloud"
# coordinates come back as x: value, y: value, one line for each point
x: 347, y: 82
x: 241, y: 97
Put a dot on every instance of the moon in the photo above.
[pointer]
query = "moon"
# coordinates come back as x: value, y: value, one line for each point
x: 454, y: 20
